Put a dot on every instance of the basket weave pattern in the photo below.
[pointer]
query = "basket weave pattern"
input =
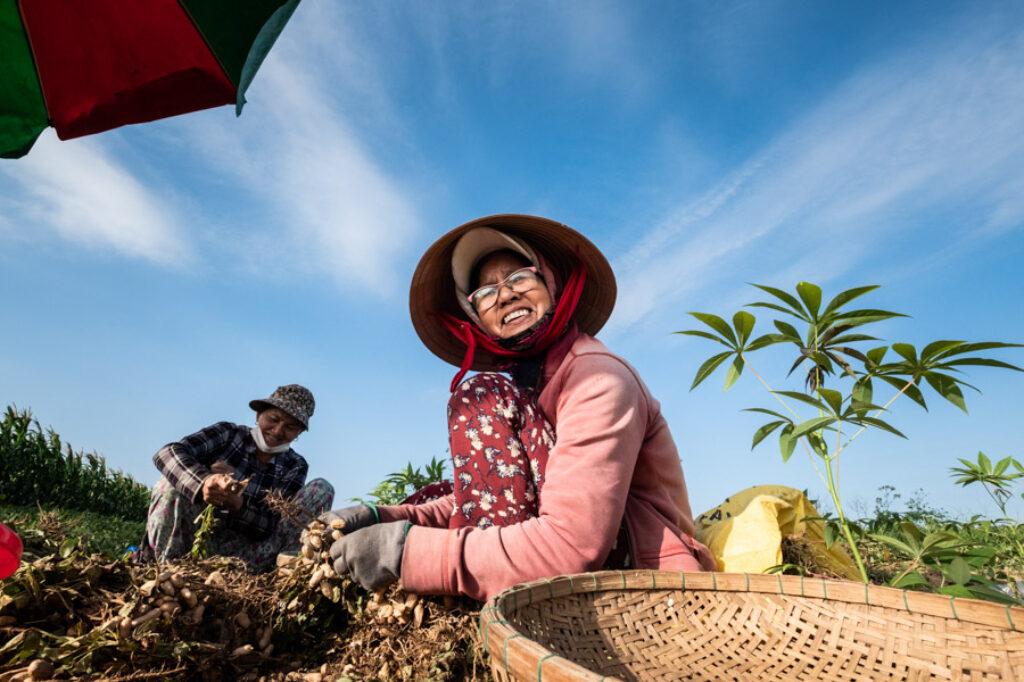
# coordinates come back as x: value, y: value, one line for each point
x: 661, y: 625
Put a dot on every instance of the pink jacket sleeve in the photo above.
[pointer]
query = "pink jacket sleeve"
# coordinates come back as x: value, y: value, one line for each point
x: 600, y: 418
x: 434, y: 514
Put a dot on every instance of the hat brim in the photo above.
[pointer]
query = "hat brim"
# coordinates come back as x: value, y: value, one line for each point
x: 433, y: 292
x: 266, y: 403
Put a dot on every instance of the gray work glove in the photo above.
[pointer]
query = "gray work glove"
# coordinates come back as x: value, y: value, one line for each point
x: 373, y: 555
x: 355, y: 517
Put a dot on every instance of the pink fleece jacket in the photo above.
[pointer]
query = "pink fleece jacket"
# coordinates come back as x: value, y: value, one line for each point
x: 614, y: 455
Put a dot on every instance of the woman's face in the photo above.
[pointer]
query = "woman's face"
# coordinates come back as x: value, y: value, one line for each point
x: 278, y: 426
x: 512, y: 312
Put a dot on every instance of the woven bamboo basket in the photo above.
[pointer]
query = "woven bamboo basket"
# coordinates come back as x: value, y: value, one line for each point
x: 666, y: 625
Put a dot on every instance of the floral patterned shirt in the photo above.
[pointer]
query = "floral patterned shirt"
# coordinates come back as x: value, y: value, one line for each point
x: 186, y: 464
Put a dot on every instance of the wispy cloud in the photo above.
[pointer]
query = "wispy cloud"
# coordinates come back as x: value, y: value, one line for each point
x: 77, y: 190
x: 331, y: 207
x: 891, y: 151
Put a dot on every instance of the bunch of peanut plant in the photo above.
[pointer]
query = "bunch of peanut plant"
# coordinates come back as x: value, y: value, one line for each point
x: 827, y: 351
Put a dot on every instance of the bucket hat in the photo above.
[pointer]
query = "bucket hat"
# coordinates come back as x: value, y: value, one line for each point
x: 554, y: 247
x: 294, y: 399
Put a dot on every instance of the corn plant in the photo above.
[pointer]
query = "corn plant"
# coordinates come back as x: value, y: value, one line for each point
x: 37, y: 468
x: 828, y: 352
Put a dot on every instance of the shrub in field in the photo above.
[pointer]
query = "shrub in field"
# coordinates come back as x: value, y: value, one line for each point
x: 827, y: 351
x: 36, y: 468
x: 399, y: 485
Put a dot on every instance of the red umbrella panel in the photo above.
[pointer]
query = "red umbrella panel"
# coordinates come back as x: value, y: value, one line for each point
x: 84, y: 66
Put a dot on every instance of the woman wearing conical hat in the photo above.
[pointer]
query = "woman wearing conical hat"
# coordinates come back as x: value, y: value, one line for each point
x: 562, y: 459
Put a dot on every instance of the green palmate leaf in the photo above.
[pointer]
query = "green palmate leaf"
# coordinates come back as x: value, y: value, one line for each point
x: 743, y: 322
x: 833, y: 398
x: 897, y: 544
x: 705, y: 335
x: 909, y: 580
x: 718, y: 324
x: 764, y: 431
x: 789, y: 331
x: 811, y: 296
x: 765, y: 411
x: 981, y: 345
x: 938, y: 349
x: 911, y: 391
x: 787, y: 443
x: 983, y: 362
x: 844, y: 297
x: 832, y: 533
x: 862, y: 391
x: 907, y: 351
x: 857, y: 318
x: 794, y: 305
x: 766, y: 340
x: 946, y: 386
x: 817, y: 444
x: 804, y: 398
x: 876, y: 355
x: 733, y: 373
x: 852, y: 338
x: 878, y: 424
x: 709, y: 366
x: 812, y: 425
x: 959, y: 591
x: 773, y: 306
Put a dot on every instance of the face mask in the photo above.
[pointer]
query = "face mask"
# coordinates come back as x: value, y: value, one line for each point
x: 257, y: 436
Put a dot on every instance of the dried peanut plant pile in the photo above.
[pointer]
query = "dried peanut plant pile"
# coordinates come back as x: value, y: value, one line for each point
x: 65, y: 615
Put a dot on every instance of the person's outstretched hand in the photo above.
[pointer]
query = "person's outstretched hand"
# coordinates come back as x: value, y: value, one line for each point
x: 372, y: 555
x: 355, y: 517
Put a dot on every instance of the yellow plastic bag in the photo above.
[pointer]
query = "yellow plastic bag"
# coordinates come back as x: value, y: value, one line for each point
x: 745, y: 532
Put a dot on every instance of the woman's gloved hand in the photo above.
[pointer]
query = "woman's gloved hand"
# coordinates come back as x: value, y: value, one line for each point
x: 373, y: 555
x: 354, y: 517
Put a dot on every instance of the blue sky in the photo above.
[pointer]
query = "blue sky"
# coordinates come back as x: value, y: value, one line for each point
x: 157, y: 277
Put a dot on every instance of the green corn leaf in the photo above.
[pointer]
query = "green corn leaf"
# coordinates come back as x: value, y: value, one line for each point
x: 709, y: 366
x: 764, y: 432
x: 718, y: 324
x: 811, y: 296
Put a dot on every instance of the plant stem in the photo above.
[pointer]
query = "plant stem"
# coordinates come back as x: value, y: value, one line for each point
x: 880, y: 411
x: 767, y: 387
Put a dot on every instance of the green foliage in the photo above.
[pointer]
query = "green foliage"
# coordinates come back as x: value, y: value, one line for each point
x: 399, y: 485
x: 36, y: 468
x: 998, y: 480
x: 44, y: 532
x: 827, y: 351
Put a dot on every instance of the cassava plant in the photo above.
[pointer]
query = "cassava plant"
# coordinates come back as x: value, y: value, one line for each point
x: 829, y: 350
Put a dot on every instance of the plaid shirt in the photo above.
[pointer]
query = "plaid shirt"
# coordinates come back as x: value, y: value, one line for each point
x: 187, y: 462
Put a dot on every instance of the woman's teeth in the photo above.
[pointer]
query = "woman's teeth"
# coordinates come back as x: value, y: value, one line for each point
x: 513, y: 315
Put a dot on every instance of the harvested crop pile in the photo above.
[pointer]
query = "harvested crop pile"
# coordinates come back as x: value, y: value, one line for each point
x: 66, y: 615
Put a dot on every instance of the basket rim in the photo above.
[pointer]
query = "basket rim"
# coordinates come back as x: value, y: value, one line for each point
x: 527, y: 657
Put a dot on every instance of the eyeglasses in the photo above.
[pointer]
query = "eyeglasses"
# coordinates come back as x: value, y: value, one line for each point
x: 519, y: 282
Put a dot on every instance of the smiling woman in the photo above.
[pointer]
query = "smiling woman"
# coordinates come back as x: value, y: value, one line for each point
x: 233, y: 468
x: 566, y: 465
